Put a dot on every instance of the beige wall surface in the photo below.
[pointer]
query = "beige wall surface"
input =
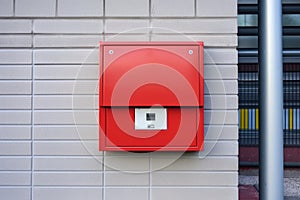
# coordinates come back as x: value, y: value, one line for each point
x: 49, y: 101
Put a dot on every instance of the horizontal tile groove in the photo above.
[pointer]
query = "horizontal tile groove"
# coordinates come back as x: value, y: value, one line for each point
x: 15, y: 140
x: 15, y: 171
x: 96, y: 46
x: 10, y: 187
x: 68, y: 156
x: 89, y: 48
x: 65, y: 140
x: 66, y: 48
x: 111, y: 17
x: 67, y: 171
x: 174, y: 187
x: 73, y: 79
x: 15, y: 80
x: 70, y: 109
x: 68, y: 187
x: 96, y: 109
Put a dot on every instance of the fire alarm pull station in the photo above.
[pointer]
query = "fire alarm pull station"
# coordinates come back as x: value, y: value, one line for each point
x: 151, y: 96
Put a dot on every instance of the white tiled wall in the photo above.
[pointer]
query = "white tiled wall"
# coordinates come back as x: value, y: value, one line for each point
x: 49, y: 99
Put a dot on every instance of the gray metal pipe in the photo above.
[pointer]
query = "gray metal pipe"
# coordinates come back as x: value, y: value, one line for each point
x: 271, y: 100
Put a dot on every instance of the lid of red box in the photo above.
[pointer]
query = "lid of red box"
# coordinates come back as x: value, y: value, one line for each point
x: 151, y: 74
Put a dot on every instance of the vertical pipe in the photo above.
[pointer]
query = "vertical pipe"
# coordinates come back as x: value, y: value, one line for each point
x: 271, y: 100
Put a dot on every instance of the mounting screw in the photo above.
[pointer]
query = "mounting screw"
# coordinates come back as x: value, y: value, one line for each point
x: 111, y: 51
x: 191, y: 51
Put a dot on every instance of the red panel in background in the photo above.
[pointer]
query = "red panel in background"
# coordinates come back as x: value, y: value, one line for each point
x: 135, y: 75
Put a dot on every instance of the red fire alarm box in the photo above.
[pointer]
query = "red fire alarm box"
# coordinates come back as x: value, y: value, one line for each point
x: 151, y: 96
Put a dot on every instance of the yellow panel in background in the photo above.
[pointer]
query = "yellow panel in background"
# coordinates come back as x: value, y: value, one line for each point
x: 242, y: 117
x: 256, y: 119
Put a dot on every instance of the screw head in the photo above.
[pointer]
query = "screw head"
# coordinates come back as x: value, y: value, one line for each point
x: 191, y: 51
x: 111, y: 51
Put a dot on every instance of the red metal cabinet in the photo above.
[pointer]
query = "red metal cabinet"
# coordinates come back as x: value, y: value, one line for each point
x: 151, y: 96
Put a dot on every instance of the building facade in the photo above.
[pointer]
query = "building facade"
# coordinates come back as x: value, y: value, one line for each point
x: 249, y: 87
x: 49, y: 68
